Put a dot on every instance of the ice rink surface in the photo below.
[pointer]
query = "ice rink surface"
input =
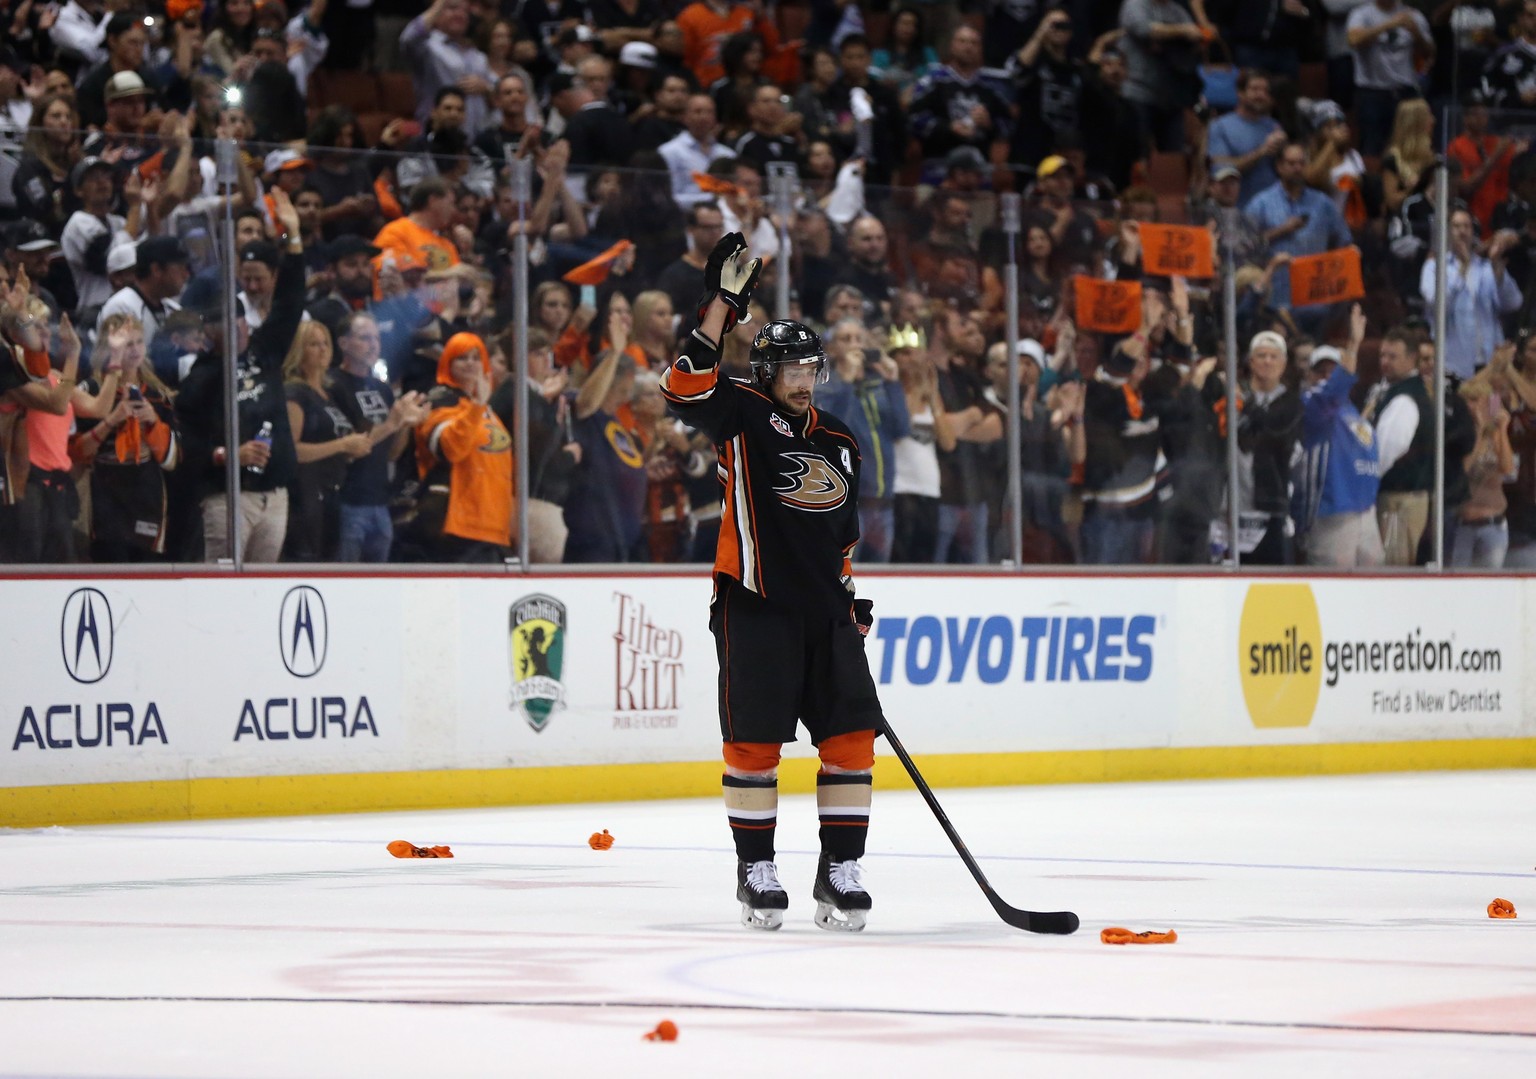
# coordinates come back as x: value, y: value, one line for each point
x: 1328, y: 926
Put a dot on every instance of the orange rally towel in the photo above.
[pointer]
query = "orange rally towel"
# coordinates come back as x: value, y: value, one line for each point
x: 595, y: 271
x: 666, y: 1031
x: 1116, y: 935
x: 401, y: 849
x: 714, y: 185
x: 1501, y: 908
x: 600, y: 840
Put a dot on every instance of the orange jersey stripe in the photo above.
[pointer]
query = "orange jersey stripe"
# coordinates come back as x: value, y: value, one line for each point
x: 728, y: 550
x: 688, y: 383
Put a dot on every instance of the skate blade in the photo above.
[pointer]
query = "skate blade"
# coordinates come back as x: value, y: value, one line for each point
x: 840, y: 921
x: 761, y: 919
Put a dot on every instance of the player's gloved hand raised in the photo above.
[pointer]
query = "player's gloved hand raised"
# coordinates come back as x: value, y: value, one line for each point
x: 731, y: 276
x: 738, y: 277
x: 732, y: 243
x: 864, y: 616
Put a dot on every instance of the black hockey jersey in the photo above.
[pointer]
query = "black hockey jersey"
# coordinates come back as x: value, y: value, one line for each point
x: 790, y: 486
x: 1509, y: 75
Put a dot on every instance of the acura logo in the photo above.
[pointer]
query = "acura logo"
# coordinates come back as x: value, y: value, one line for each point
x: 303, y: 631
x: 85, y: 635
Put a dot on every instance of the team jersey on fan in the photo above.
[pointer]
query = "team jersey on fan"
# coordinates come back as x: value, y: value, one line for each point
x: 463, y: 446
x: 403, y: 234
x: 1338, y: 472
x: 605, y: 509
x: 704, y: 32
x: 129, y: 500
x: 1509, y: 75
x: 790, y: 485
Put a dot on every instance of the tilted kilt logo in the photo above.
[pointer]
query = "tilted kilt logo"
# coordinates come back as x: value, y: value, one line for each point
x: 648, y: 669
x: 537, y: 640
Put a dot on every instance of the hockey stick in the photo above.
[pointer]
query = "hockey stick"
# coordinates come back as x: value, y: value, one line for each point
x: 1031, y: 921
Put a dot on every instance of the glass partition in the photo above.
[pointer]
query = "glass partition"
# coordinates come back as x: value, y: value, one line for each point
x: 1050, y: 389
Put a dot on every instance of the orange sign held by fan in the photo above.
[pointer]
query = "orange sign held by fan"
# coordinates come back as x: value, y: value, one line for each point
x: 1177, y: 251
x: 1332, y: 277
x: 1107, y: 306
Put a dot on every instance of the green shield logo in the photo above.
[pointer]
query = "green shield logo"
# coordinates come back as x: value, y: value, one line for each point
x: 536, y: 639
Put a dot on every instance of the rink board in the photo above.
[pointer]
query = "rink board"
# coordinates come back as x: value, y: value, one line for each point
x: 206, y: 696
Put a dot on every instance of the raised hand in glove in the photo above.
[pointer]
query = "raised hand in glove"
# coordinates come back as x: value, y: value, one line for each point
x: 731, y: 276
x: 732, y: 243
x: 738, y: 277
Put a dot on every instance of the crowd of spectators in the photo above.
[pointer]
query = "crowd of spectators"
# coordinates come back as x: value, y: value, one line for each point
x: 375, y: 224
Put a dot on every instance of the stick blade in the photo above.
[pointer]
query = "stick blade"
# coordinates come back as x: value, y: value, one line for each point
x: 1058, y: 922
x: 1053, y: 922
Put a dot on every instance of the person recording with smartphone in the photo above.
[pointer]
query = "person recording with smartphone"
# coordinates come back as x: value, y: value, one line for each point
x: 128, y: 450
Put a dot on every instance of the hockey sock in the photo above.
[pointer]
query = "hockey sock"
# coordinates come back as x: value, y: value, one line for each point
x: 842, y: 800
x: 752, y: 807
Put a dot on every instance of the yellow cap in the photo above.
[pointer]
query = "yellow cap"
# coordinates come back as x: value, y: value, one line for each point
x: 1051, y: 166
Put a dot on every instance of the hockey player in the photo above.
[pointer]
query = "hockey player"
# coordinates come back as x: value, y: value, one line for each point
x: 788, y: 631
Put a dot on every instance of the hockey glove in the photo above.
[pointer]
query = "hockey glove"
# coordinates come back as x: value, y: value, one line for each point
x: 738, y: 277
x: 864, y: 616
x: 731, y: 279
x: 732, y: 243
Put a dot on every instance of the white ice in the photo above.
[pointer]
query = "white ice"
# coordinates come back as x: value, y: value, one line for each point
x: 1327, y: 926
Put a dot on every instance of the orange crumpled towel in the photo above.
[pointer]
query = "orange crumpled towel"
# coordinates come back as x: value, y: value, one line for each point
x: 401, y: 849
x: 1116, y: 935
x: 714, y: 185
x: 666, y: 1031
x: 600, y: 840
x: 1501, y: 908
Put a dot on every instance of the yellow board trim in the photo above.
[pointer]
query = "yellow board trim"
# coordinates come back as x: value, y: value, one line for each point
x: 366, y: 792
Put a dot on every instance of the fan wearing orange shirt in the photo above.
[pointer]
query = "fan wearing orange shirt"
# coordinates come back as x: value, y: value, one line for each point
x: 464, y: 458
x: 1484, y: 161
x: 423, y: 231
x: 707, y: 23
x: 574, y: 348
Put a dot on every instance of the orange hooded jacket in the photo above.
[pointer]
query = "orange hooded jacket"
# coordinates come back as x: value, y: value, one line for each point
x: 462, y: 446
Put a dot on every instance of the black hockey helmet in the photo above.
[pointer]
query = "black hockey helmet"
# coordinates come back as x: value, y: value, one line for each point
x: 786, y: 342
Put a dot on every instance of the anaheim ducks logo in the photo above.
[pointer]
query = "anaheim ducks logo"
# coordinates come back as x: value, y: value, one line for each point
x: 813, y: 485
x: 497, y: 440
